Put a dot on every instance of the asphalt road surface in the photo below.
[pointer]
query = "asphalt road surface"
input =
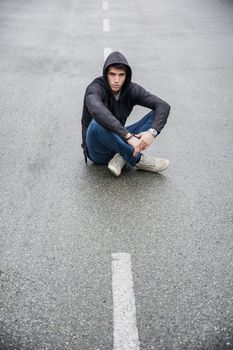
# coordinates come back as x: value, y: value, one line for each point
x: 93, y: 262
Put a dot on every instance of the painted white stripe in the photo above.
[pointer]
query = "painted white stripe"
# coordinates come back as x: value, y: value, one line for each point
x: 107, y: 51
x: 106, y: 25
x: 105, y: 5
x: 125, y: 332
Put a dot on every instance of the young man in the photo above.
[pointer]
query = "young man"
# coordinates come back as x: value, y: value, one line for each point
x: 108, y: 102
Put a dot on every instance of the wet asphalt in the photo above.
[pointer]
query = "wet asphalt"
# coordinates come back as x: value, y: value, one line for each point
x: 61, y: 220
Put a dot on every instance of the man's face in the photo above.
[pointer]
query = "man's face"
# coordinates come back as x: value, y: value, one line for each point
x: 116, y: 78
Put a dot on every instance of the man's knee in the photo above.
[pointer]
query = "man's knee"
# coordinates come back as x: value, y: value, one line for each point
x: 96, y: 128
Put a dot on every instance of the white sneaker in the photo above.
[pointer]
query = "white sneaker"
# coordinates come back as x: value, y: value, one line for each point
x: 152, y: 164
x: 116, y: 164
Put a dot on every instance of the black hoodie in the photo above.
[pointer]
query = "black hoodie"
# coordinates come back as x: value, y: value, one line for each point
x: 101, y: 104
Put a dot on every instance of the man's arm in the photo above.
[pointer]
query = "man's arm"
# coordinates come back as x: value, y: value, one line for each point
x: 142, y: 97
x: 100, y: 113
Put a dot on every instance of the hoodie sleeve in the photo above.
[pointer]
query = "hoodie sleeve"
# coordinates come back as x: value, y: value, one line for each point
x: 142, y: 97
x: 94, y: 102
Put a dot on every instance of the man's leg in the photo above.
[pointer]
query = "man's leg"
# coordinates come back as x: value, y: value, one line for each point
x: 115, y: 164
x: 143, y: 124
x: 144, y: 162
x: 103, y: 144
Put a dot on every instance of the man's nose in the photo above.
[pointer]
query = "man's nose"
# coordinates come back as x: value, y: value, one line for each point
x: 116, y: 78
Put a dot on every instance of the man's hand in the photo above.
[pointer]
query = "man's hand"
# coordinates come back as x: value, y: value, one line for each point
x: 136, y: 144
x: 146, y: 139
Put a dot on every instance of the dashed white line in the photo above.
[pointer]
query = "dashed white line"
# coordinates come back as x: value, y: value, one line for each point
x: 107, y: 51
x: 105, y: 5
x: 125, y: 333
x: 106, y: 25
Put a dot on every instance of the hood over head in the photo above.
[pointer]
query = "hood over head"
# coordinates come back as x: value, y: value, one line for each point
x: 117, y: 58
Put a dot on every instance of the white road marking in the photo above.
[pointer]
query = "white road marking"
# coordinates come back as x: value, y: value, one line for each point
x: 125, y: 334
x: 105, y: 5
x: 106, y: 25
x: 107, y: 51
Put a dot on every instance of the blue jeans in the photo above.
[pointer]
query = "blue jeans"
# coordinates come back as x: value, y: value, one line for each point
x: 103, y: 144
